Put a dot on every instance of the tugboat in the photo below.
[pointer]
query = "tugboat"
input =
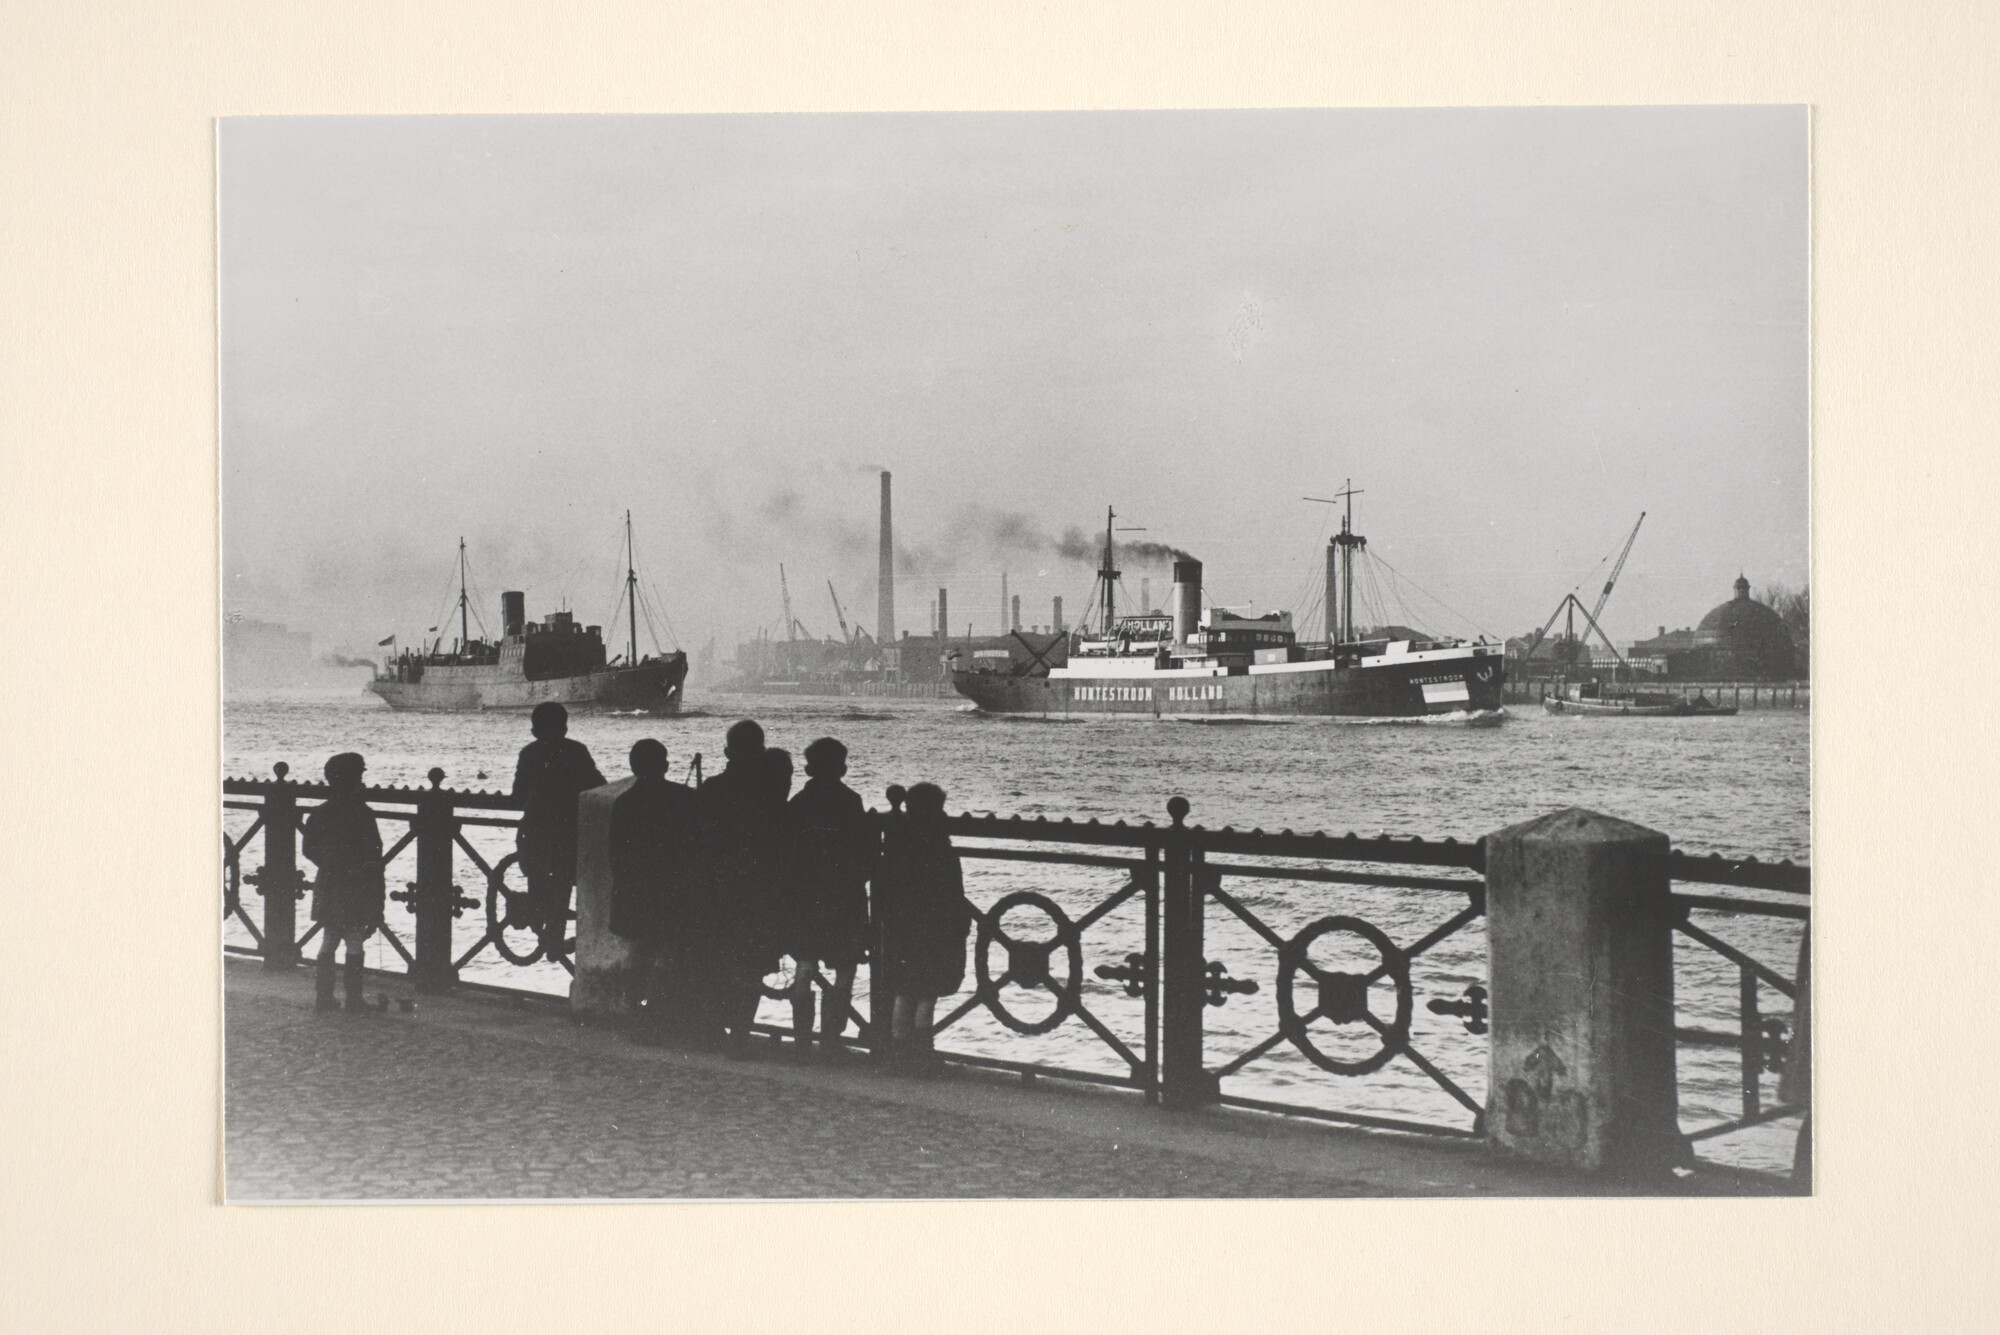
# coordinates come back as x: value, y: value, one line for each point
x: 1593, y: 697
x: 554, y: 660
x: 1213, y: 662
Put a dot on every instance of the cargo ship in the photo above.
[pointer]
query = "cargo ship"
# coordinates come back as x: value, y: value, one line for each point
x: 1211, y: 662
x: 533, y: 663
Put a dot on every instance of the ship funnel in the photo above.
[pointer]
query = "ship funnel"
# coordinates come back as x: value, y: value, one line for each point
x: 1057, y: 624
x: 1187, y: 600
x: 513, y: 613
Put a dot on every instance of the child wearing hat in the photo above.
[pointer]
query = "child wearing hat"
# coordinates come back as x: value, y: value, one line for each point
x: 340, y: 838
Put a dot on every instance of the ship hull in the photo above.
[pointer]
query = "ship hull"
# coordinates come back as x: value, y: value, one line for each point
x: 650, y: 688
x: 1392, y: 690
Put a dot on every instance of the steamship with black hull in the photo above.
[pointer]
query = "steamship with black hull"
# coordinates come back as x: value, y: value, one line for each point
x: 1212, y: 663
x: 534, y: 663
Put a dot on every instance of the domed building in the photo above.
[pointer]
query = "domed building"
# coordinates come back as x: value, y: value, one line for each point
x: 1742, y: 640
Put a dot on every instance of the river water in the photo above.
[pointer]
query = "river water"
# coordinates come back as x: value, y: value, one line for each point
x: 1728, y: 785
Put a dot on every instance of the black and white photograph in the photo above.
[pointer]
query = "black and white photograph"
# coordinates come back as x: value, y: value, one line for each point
x: 1016, y: 655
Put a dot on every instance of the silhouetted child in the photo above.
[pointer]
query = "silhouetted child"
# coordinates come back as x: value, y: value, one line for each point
x: 652, y: 835
x: 834, y: 850
x: 552, y: 771
x: 920, y: 900
x: 340, y: 839
x: 736, y: 813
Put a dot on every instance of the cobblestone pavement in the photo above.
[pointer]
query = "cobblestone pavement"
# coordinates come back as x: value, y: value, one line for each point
x: 476, y: 1097
x: 389, y: 1106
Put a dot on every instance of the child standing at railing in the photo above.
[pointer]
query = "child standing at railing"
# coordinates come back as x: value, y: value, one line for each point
x: 341, y: 839
x: 920, y: 905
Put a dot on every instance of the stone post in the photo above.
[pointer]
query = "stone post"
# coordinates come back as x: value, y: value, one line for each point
x: 608, y: 981
x: 1579, y: 929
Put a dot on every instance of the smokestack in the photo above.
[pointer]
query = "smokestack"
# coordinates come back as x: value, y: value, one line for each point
x: 944, y: 617
x: 1015, y: 622
x: 1146, y: 594
x: 1058, y: 621
x: 885, y: 580
x: 1187, y: 600
x: 513, y: 612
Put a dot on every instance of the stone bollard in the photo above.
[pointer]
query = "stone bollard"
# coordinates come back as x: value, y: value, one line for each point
x: 606, y: 982
x: 1580, y: 949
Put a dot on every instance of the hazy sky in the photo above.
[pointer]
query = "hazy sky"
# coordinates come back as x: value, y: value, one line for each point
x: 1514, y: 330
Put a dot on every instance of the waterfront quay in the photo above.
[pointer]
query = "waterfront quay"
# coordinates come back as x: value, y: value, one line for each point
x: 483, y: 1095
x: 1568, y: 1004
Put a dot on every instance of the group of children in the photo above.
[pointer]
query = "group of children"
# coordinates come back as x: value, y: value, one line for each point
x: 712, y: 885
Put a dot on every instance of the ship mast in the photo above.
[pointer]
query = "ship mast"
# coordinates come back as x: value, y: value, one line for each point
x: 1340, y: 560
x: 631, y: 597
x: 1109, y: 575
x: 464, y: 635
x: 1349, y: 543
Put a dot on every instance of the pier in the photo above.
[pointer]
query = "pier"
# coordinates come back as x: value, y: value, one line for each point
x: 1159, y: 1009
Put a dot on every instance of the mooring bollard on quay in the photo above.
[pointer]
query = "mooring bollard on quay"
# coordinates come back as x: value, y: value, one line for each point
x: 1579, y: 925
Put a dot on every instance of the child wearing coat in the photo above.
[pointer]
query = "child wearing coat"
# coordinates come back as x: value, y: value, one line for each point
x: 341, y: 839
x: 924, y: 918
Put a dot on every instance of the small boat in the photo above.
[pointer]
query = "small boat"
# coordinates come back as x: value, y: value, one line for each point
x: 1592, y: 697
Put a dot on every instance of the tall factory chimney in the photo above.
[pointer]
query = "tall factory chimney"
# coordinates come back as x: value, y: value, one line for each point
x: 1058, y: 624
x: 885, y: 582
x: 943, y: 618
x: 1015, y: 622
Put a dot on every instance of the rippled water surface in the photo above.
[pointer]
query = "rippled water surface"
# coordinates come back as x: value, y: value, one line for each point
x: 1731, y: 785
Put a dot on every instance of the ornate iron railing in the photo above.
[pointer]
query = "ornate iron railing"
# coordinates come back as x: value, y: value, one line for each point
x: 1769, y: 912
x: 1335, y: 977
x: 441, y: 824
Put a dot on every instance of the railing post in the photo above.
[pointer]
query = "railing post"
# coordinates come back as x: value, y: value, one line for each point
x: 1579, y: 923
x: 881, y: 1001
x: 436, y: 897
x: 1184, y: 1080
x: 1152, y: 948
x: 279, y: 880
x: 1750, y: 1027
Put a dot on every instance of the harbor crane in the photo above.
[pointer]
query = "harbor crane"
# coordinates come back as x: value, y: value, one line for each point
x: 792, y: 625
x: 1617, y: 568
x: 839, y: 615
x: 1571, y: 605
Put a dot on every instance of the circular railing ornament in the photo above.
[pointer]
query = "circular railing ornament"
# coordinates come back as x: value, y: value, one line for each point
x: 1028, y: 962
x: 787, y: 974
x: 507, y: 908
x: 1343, y: 997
